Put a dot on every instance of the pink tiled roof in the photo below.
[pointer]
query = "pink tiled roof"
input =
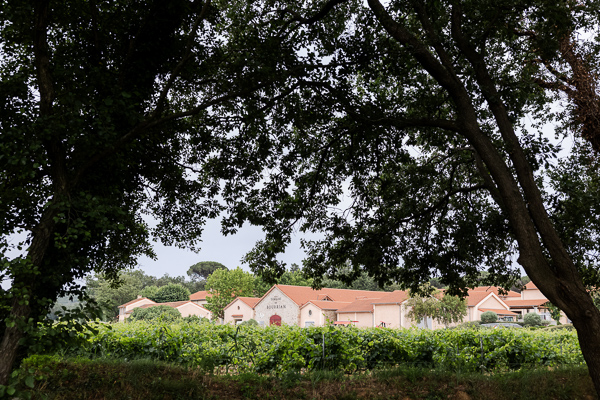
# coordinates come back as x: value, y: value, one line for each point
x: 250, y: 301
x: 134, y: 301
x: 475, y: 297
x: 328, y: 305
x: 397, y: 296
x: 530, y: 285
x: 173, y: 304
x: 201, y: 295
x: 303, y: 294
x: 526, y: 303
x: 496, y: 291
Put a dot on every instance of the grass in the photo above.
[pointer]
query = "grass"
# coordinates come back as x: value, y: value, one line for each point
x: 56, y: 378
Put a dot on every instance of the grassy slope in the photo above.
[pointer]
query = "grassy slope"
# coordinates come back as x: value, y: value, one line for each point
x: 147, y: 380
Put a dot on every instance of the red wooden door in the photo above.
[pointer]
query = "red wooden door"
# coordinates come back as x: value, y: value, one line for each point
x: 275, y: 320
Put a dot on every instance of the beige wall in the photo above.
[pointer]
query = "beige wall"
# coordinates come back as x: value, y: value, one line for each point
x: 191, y: 309
x: 123, y: 310
x: 364, y: 319
x: 316, y: 317
x: 490, y: 302
x: 391, y: 314
x: 238, y: 307
x: 277, y: 303
x: 532, y: 294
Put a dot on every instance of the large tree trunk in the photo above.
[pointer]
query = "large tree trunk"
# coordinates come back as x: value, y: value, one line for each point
x: 23, y: 289
x: 9, y: 347
x: 541, y: 251
x: 588, y: 326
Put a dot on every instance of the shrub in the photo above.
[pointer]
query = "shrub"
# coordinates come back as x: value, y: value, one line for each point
x: 195, y: 319
x: 250, y: 322
x: 469, y: 325
x: 171, y: 292
x: 155, y: 314
x: 532, y: 319
x: 489, y: 317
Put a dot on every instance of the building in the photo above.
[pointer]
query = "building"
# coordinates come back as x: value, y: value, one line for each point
x: 532, y: 300
x: 125, y: 309
x: 186, y: 308
x: 304, y: 306
x: 200, y: 297
x: 239, y: 310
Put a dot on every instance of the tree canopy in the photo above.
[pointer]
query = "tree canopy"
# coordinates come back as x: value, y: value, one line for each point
x: 108, y: 110
x: 155, y: 314
x: 224, y: 286
x: 110, y: 293
x: 444, y: 308
x: 415, y: 147
x: 203, y: 269
x: 408, y: 135
x: 171, y: 292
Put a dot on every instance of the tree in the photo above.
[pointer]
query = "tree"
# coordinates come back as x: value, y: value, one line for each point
x: 108, y: 111
x: 171, y: 292
x: 224, y: 286
x: 429, y: 302
x: 148, y: 291
x: 203, y: 269
x: 422, y: 307
x: 554, y: 312
x: 155, y: 314
x: 110, y: 294
x: 489, y: 317
x: 416, y: 113
x: 451, y: 309
x: 532, y: 319
x: 293, y: 276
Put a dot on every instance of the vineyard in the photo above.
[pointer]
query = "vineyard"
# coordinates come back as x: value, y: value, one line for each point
x: 277, y: 350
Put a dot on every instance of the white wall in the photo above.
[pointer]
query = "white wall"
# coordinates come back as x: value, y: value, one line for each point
x: 277, y: 303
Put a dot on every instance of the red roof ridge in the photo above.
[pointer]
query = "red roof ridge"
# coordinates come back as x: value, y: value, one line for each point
x: 134, y: 301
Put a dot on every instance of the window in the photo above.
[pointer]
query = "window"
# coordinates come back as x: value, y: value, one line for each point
x: 309, y: 312
x: 309, y: 323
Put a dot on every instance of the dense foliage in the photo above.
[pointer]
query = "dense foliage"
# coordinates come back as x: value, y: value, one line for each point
x: 110, y: 293
x: 225, y: 285
x: 108, y: 109
x: 444, y: 308
x: 171, y: 292
x: 532, y: 319
x: 202, y: 270
x: 276, y: 350
x: 164, y: 314
x: 489, y: 317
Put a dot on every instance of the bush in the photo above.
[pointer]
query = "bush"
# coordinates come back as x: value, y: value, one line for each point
x: 250, y: 322
x: 469, y: 325
x: 155, y: 314
x: 532, y: 319
x: 489, y: 317
x: 195, y: 319
x: 171, y: 292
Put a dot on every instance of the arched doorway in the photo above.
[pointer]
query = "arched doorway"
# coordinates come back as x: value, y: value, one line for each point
x: 275, y: 320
